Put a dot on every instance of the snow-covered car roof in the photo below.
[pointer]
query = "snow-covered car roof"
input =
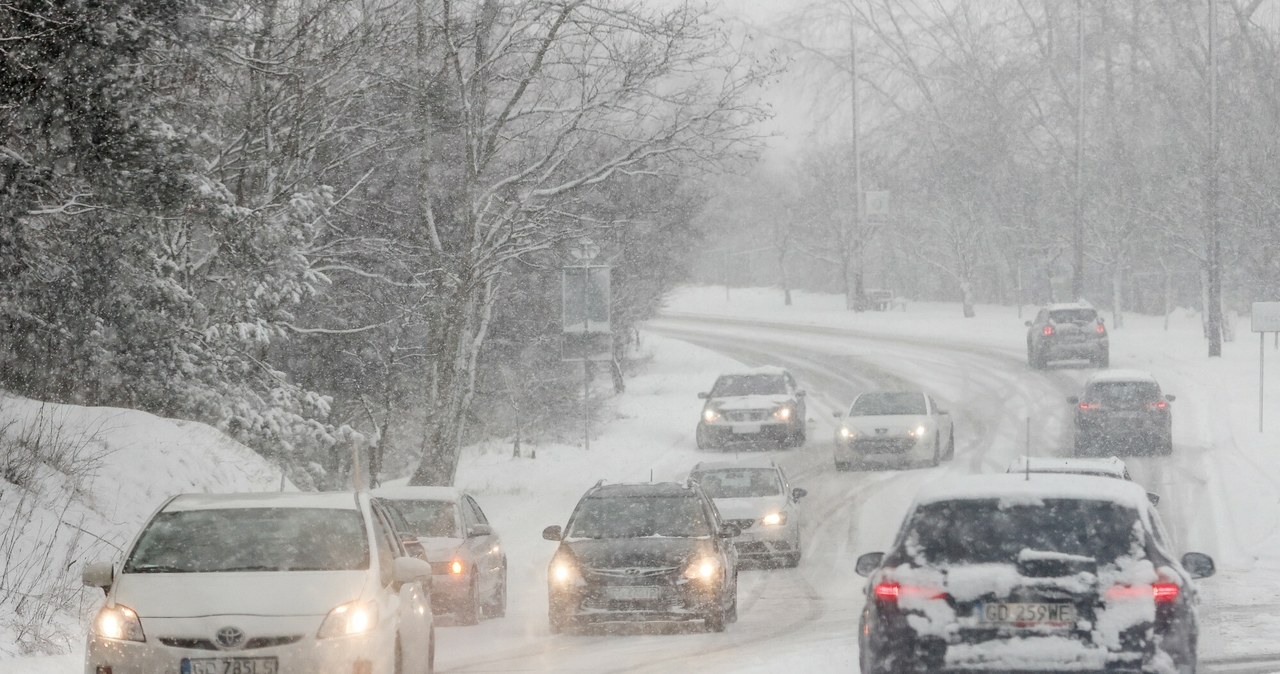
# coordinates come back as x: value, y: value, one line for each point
x: 1121, y: 375
x: 419, y: 493
x: 1012, y: 488
x: 625, y: 489
x: 763, y: 369
x: 750, y: 462
x: 340, y: 500
x: 1108, y: 467
x: 1063, y: 306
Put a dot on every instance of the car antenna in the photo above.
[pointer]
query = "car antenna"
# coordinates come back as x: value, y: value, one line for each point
x: 650, y: 475
x: 1026, y: 461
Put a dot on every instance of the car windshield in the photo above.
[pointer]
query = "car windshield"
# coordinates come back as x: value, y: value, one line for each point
x: 987, y: 531
x: 876, y: 404
x: 251, y: 539
x: 748, y: 385
x: 639, y: 517
x: 740, y: 482
x: 1073, y: 315
x: 1126, y: 393
x: 429, y: 519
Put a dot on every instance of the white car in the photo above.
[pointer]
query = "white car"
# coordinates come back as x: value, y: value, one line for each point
x: 1109, y: 467
x: 893, y: 427
x: 758, y: 499
x: 763, y: 404
x: 263, y: 584
x: 468, y: 562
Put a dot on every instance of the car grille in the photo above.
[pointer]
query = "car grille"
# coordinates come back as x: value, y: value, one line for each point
x: 742, y: 525
x: 746, y: 415
x: 884, y: 445
x: 630, y: 575
x: 209, y: 645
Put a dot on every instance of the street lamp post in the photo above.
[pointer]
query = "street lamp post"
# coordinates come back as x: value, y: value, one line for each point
x: 584, y: 252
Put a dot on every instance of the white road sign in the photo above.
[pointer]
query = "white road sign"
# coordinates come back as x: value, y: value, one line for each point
x: 1266, y: 317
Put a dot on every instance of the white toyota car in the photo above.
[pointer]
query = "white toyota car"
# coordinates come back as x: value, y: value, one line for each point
x: 263, y: 584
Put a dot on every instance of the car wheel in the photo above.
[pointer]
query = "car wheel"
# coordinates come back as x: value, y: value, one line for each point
x: 1033, y: 359
x: 1083, y: 444
x: 1104, y: 360
x: 714, y: 621
x: 431, y: 651
x: 797, y: 439
x: 399, y: 657
x: 937, y: 450
x: 732, y: 615
x: 469, y: 614
x: 497, y: 606
x: 951, y: 444
x: 791, y: 560
x: 558, y: 620
x: 1166, y: 446
x: 703, y: 438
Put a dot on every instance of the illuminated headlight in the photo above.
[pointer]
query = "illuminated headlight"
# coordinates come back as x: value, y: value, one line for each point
x: 118, y: 622
x: 456, y: 567
x: 349, y: 620
x: 710, y: 415
x: 564, y: 572
x: 847, y: 433
x: 783, y: 413
x: 774, y: 519
x: 917, y: 432
x: 705, y: 569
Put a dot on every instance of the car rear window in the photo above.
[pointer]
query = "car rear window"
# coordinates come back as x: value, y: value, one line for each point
x: 876, y: 404
x: 251, y: 539
x: 639, y: 517
x: 1123, y: 392
x: 749, y: 384
x: 986, y: 531
x: 429, y: 519
x: 1073, y: 315
x: 740, y: 482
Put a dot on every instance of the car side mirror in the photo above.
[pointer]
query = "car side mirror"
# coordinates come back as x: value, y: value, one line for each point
x: 414, y: 547
x: 1153, y: 498
x: 1197, y: 564
x: 99, y: 574
x: 800, y: 393
x: 837, y: 414
x: 1027, y: 323
x: 703, y: 396
x: 411, y: 570
x: 728, y: 530
x: 478, y: 530
x: 552, y: 533
x: 1171, y: 397
x: 868, y: 563
x: 798, y: 493
x: 1074, y: 400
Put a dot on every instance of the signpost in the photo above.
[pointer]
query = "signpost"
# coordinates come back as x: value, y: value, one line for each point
x: 586, y: 329
x: 1265, y: 317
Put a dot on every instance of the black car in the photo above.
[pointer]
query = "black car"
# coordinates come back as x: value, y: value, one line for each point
x: 643, y: 552
x: 1123, y: 410
x: 1033, y: 573
x: 1067, y: 332
x: 761, y: 404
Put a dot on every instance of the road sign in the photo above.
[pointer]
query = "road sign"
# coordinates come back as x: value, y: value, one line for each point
x: 1266, y: 317
x: 586, y: 299
x: 877, y: 204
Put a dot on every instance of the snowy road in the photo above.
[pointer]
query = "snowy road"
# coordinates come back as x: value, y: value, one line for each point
x: 805, y: 619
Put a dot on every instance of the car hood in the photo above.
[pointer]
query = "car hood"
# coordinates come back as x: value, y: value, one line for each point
x: 440, y: 549
x: 614, y: 553
x: 750, y: 508
x: 757, y: 402
x: 191, y: 595
x: 897, y: 424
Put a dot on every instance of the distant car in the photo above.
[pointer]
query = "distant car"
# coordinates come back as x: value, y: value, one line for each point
x: 762, y: 404
x: 1123, y: 410
x: 468, y: 562
x: 643, y: 552
x: 757, y: 498
x: 893, y: 427
x: 263, y: 584
x: 878, y: 300
x: 1055, y: 573
x: 1109, y: 467
x: 1067, y: 332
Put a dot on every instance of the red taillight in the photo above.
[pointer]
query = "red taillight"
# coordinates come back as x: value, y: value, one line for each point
x: 1048, y: 331
x: 1158, y: 405
x: 890, y: 593
x: 1100, y: 329
x: 1165, y: 593
x: 1090, y: 406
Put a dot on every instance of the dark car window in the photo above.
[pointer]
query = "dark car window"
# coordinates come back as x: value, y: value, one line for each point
x: 1123, y: 392
x: 251, y: 539
x: 749, y: 384
x: 429, y: 519
x: 1073, y: 315
x: 388, y: 548
x: 476, y: 511
x: 876, y: 404
x: 984, y: 531
x: 740, y: 482
x: 639, y: 517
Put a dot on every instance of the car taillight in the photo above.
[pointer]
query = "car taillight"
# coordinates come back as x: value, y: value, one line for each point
x: 890, y: 593
x: 1048, y: 331
x: 1090, y: 406
x: 1165, y: 593
x: 1158, y: 405
x: 1100, y: 329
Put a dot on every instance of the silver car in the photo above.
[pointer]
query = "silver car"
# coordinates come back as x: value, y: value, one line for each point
x: 468, y: 563
x: 893, y: 427
x: 757, y: 498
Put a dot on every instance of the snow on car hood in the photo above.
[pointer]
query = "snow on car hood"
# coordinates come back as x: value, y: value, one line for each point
x: 651, y: 552
x: 440, y: 549
x: 750, y: 508
x: 754, y: 402
x: 898, y: 424
x: 263, y: 593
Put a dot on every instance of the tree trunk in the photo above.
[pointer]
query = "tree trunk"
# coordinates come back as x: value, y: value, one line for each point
x: 1117, y: 297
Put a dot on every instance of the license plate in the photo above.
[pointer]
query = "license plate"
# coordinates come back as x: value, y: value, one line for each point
x: 1029, y: 614
x: 230, y: 666
x: 746, y: 428
x: 638, y: 593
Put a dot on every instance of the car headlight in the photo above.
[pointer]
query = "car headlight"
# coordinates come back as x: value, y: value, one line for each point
x: 456, y: 567
x: 349, y: 620
x: 710, y: 414
x: 704, y: 569
x: 917, y: 432
x: 564, y: 572
x: 774, y: 519
x: 118, y: 622
x: 847, y: 433
x: 783, y: 413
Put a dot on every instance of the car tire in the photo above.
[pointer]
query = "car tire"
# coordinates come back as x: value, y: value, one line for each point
x: 843, y: 467
x: 1034, y: 361
x: 471, y: 610
x: 398, y: 658
x: 798, y: 438
x: 558, y: 621
x: 431, y: 651
x: 1083, y: 444
x: 1103, y: 361
x: 714, y: 621
x: 731, y: 616
x: 937, y: 451
x: 791, y: 560
x: 497, y: 606
x: 703, y: 437
x: 1166, y: 446
x: 951, y: 444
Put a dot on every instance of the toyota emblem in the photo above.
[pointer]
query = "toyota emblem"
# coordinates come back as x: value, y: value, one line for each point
x: 631, y: 572
x: 229, y: 637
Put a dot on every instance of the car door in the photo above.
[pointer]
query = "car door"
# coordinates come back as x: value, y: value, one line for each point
x: 942, y: 418
x: 409, y: 603
x: 481, y: 544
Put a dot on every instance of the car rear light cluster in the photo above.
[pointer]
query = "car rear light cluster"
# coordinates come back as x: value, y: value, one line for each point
x: 1086, y: 406
x: 1158, y: 405
x: 1048, y: 331
x: 1163, y: 593
x: 889, y: 592
x: 1100, y: 329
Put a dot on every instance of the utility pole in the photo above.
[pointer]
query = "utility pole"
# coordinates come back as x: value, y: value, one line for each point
x: 1077, y: 239
x: 1214, y: 262
x: 855, y: 302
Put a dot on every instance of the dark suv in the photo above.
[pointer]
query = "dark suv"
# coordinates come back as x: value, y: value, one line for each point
x: 643, y: 552
x: 1067, y: 332
x: 1123, y: 410
x: 1035, y: 573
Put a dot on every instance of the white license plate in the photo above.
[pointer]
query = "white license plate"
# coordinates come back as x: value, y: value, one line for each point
x: 637, y: 593
x: 1029, y: 614
x: 230, y: 666
x: 746, y: 428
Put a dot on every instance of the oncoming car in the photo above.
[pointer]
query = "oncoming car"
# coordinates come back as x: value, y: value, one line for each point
x: 762, y: 404
x: 1041, y: 573
x: 756, y: 498
x: 893, y: 427
x: 263, y: 584
x: 468, y: 562
x: 643, y: 552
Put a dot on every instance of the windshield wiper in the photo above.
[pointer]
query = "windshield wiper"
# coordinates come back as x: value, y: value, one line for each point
x: 233, y: 569
x: 157, y: 568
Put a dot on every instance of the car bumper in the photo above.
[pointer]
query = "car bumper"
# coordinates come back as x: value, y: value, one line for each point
x: 597, y: 604
x: 766, y: 542
x: 372, y: 654
x: 878, y: 450
x: 1070, y: 350
x: 724, y: 431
